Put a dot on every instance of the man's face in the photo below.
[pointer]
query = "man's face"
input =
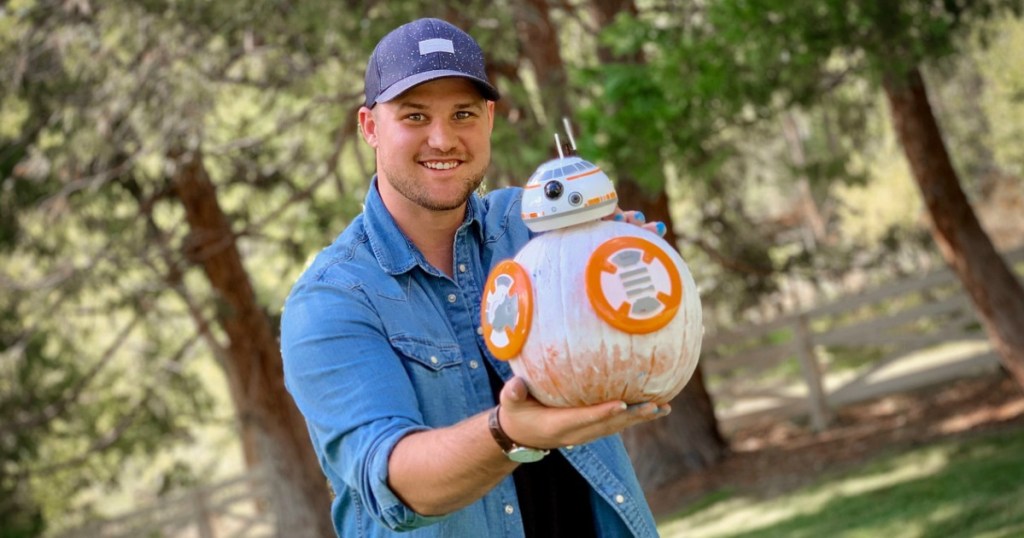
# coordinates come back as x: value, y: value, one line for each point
x: 433, y: 143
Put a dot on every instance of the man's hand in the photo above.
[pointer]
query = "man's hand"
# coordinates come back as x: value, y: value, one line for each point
x: 530, y: 423
x: 637, y: 218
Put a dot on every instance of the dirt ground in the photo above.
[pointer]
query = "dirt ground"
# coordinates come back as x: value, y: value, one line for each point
x: 775, y: 457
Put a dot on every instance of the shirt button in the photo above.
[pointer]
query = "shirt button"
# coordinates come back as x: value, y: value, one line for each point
x: 473, y: 364
x: 480, y: 331
x: 452, y: 298
x: 462, y: 268
x: 570, y: 447
x: 619, y: 499
x: 509, y: 510
x: 433, y: 360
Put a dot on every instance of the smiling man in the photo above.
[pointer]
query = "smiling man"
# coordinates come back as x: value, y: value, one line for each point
x: 433, y: 147
x: 417, y: 426
x: 437, y: 138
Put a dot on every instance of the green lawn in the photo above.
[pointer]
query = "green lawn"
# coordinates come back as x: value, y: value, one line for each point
x: 969, y: 488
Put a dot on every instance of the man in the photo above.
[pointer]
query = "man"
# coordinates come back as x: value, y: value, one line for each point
x: 408, y: 412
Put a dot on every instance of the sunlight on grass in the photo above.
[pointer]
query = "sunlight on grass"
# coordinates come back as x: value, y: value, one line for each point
x: 970, y: 488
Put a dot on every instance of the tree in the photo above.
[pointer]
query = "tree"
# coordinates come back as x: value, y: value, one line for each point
x: 894, y: 40
x: 995, y: 291
x: 253, y: 358
x: 765, y: 56
x: 687, y: 440
x: 124, y: 98
x: 72, y: 408
x: 187, y: 157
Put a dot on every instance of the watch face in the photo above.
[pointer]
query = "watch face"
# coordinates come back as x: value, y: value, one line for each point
x: 526, y: 455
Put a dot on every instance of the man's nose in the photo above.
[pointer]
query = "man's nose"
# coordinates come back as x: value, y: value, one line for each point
x: 442, y: 136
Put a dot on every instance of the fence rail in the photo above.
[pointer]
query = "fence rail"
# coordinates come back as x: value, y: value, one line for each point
x: 895, y: 337
x: 231, y: 509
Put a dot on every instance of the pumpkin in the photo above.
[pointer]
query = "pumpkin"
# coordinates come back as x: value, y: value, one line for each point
x: 595, y: 312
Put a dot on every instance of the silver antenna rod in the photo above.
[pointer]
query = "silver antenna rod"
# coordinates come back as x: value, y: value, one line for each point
x: 558, y: 144
x: 568, y: 131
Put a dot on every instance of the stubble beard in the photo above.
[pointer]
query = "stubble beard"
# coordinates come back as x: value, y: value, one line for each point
x: 413, y: 190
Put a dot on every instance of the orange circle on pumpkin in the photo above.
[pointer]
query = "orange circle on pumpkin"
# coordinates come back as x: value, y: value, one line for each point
x: 621, y: 316
x: 508, y: 281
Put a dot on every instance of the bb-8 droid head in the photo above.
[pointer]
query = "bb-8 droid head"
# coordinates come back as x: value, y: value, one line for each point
x: 567, y: 191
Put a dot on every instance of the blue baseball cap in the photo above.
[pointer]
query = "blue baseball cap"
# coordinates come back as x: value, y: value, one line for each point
x: 421, y: 51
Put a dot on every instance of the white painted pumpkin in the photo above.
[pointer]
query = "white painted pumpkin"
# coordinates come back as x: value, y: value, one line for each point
x: 595, y: 312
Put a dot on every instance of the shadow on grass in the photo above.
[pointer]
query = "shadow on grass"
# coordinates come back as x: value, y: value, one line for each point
x: 978, y: 491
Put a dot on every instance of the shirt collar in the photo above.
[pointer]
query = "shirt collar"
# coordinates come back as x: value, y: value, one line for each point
x: 393, y: 250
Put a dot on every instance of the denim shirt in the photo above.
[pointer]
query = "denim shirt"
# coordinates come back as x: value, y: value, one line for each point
x: 378, y: 344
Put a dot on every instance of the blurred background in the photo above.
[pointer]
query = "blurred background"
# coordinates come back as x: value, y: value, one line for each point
x: 843, y: 178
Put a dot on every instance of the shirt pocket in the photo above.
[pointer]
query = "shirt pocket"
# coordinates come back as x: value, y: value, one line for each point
x: 434, y: 369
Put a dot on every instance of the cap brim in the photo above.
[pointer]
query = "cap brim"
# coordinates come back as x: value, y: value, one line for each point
x: 400, y: 87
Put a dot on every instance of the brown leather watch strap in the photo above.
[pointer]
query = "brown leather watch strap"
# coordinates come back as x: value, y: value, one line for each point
x: 514, y: 452
x: 499, y: 434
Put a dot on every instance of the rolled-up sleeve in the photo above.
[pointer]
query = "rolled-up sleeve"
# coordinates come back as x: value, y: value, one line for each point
x: 353, y: 391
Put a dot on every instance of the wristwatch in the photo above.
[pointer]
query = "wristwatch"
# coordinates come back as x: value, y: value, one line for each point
x: 516, y: 453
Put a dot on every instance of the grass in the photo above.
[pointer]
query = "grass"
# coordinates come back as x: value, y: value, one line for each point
x: 972, y: 488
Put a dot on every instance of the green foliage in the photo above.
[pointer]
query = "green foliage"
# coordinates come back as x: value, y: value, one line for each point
x: 738, y: 62
x: 74, y: 415
x: 702, y: 89
x: 95, y: 275
x: 100, y: 357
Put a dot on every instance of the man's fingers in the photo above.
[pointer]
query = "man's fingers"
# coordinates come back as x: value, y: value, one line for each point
x: 530, y: 423
x: 629, y: 217
x: 656, y: 227
x: 515, y: 390
x: 614, y: 417
x: 650, y: 409
x: 603, y: 412
x: 639, y: 219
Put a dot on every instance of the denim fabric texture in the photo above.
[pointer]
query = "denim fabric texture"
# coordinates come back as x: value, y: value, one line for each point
x: 378, y: 344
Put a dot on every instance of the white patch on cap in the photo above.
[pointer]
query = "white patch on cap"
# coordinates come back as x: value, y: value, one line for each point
x: 428, y: 46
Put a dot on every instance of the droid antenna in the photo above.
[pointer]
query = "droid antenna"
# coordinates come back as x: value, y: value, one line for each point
x: 558, y: 144
x: 568, y: 131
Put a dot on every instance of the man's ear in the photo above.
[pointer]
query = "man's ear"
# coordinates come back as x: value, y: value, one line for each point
x: 368, y: 126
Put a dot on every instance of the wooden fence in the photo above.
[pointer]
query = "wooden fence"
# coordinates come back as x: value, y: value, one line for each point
x: 231, y: 509
x: 896, y: 337
x: 888, y: 339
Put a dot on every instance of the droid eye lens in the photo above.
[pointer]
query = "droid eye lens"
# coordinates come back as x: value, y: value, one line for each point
x: 575, y: 198
x: 553, y: 190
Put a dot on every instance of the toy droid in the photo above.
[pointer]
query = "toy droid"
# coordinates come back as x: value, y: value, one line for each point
x: 591, y: 310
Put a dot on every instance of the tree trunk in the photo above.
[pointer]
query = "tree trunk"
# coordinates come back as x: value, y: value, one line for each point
x: 811, y: 215
x: 539, y: 38
x: 688, y: 439
x: 995, y: 291
x: 298, y: 490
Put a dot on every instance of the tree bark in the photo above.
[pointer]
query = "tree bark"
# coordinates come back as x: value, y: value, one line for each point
x: 539, y: 38
x: 808, y: 206
x: 996, y: 293
x: 688, y: 439
x: 298, y: 491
